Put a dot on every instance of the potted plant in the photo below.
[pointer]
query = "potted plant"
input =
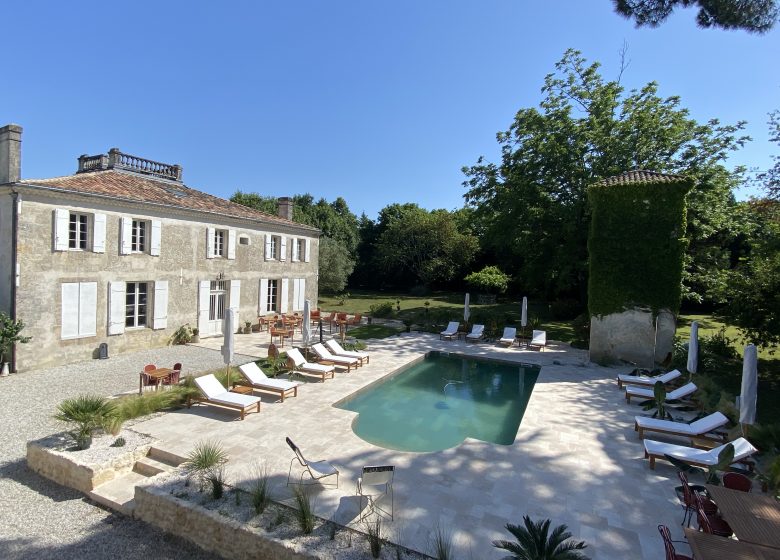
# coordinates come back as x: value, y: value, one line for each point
x: 247, y: 327
x: 9, y: 335
x: 85, y: 413
x: 195, y: 338
x: 182, y: 335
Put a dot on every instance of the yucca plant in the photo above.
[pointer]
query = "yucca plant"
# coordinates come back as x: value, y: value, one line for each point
x: 305, y: 512
x: 374, y: 536
x: 658, y: 402
x: 441, y: 544
x: 86, y: 413
x: 260, y: 490
x: 205, y: 458
x: 535, y: 542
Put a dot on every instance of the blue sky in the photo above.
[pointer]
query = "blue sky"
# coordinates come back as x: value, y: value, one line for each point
x: 378, y: 102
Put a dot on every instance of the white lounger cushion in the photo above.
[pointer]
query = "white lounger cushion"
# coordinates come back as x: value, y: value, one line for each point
x: 476, y: 331
x: 509, y: 335
x: 301, y: 363
x: 336, y: 348
x: 323, y: 468
x: 257, y: 377
x: 701, y: 426
x: 678, y: 393
x: 323, y: 354
x: 645, y: 380
x: 539, y: 338
x: 742, y: 449
x: 215, y: 392
x: 451, y: 330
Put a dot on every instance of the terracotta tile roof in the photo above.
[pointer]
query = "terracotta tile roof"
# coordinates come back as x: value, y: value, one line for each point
x: 641, y: 176
x: 136, y: 188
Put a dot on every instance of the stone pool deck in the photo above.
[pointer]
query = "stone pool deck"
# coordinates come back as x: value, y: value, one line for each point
x: 576, y: 458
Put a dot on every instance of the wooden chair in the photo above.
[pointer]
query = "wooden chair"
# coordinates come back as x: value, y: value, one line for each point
x: 174, y: 377
x: 147, y: 381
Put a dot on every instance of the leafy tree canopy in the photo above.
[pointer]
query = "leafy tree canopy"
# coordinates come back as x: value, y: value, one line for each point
x: 489, y: 280
x: 531, y: 208
x: 335, y: 266
x: 756, y: 16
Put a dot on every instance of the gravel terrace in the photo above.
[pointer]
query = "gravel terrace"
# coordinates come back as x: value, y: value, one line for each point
x: 42, y: 520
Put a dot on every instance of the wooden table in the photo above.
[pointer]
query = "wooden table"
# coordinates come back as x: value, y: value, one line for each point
x: 711, y: 547
x: 754, y: 518
x: 241, y: 389
x: 281, y: 333
x: 157, y: 374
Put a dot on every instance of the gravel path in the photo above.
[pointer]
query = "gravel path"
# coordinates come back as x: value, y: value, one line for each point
x: 42, y: 520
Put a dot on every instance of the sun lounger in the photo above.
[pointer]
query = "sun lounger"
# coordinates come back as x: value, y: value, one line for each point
x: 450, y: 331
x: 700, y: 427
x: 300, y: 365
x: 260, y: 381
x: 697, y: 457
x: 645, y: 381
x: 476, y: 333
x: 326, y: 357
x: 336, y: 349
x: 508, y: 338
x: 215, y: 394
x: 642, y: 393
x: 538, y: 339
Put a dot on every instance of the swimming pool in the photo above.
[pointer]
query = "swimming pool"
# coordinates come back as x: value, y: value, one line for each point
x: 436, y: 403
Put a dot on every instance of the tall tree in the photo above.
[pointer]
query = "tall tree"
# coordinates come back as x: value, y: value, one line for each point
x: 336, y: 265
x: 532, y: 206
x: 756, y: 16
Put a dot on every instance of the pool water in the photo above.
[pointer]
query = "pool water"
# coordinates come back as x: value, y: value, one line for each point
x: 436, y: 403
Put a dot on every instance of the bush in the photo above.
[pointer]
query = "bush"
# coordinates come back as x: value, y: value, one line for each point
x: 85, y: 413
x: 384, y: 309
x: 135, y: 406
x: 565, y: 309
x: 305, y: 512
x: 489, y: 280
x: 718, y: 344
x: 182, y: 335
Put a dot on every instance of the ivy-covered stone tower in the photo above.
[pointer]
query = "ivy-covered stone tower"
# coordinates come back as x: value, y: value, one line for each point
x: 636, y: 247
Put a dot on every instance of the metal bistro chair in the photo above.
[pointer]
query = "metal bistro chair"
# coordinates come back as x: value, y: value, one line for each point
x: 147, y: 381
x: 671, y: 554
x: 737, y: 481
x: 316, y: 469
x: 690, y: 496
x: 376, y: 478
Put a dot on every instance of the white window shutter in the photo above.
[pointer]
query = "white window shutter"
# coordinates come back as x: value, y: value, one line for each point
x: 160, y: 305
x: 70, y: 310
x: 99, y: 233
x: 284, y: 295
x: 210, y: 243
x: 235, y: 294
x: 204, y: 294
x: 295, y: 294
x: 268, y: 255
x: 116, y: 307
x: 88, y: 309
x: 262, y: 306
x: 307, y: 256
x: 231, y: 248
x: 302, y: 293
x: 126, y: 230
x: 283, y: 250
x: 61, y: 224
x: 294, y: 257
x: 156, y: 240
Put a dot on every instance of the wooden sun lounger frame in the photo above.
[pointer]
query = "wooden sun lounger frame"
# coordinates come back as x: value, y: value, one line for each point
x: 242, y: 409
x: 722, y: 436
x: 323, y: 375
x: 744, y: 461
x: 268, y: 389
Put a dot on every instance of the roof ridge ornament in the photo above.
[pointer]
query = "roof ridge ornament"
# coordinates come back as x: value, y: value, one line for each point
x: 116, y: 159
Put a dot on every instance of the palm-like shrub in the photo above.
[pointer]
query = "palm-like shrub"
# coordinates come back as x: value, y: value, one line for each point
x: 86, y: 413
x: 535, y: 542
x: 206, y: 459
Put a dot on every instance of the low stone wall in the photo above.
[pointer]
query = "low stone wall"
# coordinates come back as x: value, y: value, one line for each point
x: 635, y: 335
x: 85, y: 470
x: 208, y: 529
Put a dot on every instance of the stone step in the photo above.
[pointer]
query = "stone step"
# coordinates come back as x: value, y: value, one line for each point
x: 150, y: 467
x: 167, y: 457
x: 119, y: 493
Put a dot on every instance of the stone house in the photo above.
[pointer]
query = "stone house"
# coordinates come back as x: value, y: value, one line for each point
x: 123, y: 252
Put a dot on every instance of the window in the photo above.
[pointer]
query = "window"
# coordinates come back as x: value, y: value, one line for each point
x: 273, y: 291
x: 79, y: 309
x: 217, y: 299
x: 77, y: 232
x: 274, y: 247
x: 244, y: 240
x: 136, y: 303
x: 300, y: 249
x: 219, y: 243
x: 138, y: 236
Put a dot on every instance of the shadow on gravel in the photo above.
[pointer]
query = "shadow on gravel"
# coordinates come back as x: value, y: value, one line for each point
x: 19, y: 472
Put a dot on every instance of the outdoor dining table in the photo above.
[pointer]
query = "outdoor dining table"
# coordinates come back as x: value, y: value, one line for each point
x: 754, y: 518
x: 156, y: 374
x: 282, y: 333
x: 711, y: 547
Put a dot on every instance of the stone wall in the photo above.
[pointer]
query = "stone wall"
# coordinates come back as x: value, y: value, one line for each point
x: 182, y: 262
x: 631, y: 336
x: 207, y: 529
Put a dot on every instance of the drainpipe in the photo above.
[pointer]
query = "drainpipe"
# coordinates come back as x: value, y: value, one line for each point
x: 15, y: 264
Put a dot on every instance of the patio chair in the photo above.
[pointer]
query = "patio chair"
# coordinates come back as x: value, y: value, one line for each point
x: 691, y: 496
x: 327, y: 357
x: 699, y: 428
x: 508, y: 338
x: 694, y: 456
x: 450, y: 331
x: 642, y: 393
x: 737, y: 481
x: 216, y: 394
x: 173, y: 378
x: 711, y: 523
x: 476, y: 333
x: 336, y: 349
x: 671, y: 554
x: 317, y: 469
x: 646, y: 381
x: 260, y: 381
x: 356, y: 320
x: 147, y: 381
x: 380, y: 479
x: 300, y: 365
x: 538, y: 339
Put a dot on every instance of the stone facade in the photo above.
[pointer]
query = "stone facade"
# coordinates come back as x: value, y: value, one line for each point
x: 200, y: 255
x: 634, y: 336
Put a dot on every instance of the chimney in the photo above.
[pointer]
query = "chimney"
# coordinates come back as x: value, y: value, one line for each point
x: 10, y: 153
x: 285, y: 208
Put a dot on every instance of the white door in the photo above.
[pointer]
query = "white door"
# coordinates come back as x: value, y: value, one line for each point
x: 217, y: 304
